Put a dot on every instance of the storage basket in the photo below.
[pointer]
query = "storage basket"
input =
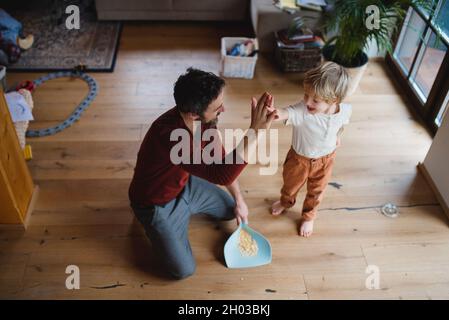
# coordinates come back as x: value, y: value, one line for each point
x: 297, y: 59
x: 237, y: 67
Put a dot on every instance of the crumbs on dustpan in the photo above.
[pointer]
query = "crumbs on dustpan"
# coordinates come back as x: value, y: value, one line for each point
x: 247, y: 245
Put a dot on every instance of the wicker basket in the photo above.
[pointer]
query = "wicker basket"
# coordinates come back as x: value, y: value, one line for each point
x: 237, y: 67
x: 297, y: 59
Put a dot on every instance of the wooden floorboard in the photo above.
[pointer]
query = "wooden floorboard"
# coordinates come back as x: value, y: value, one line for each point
x: 82, y: 216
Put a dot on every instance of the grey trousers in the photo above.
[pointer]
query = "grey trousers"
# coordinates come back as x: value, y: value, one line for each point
x: 167, y: 225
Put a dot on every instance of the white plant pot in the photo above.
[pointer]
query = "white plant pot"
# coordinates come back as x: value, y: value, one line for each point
x: 355, y: 75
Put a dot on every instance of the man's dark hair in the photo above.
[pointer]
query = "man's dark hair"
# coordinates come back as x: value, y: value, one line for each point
x: 196, y: 89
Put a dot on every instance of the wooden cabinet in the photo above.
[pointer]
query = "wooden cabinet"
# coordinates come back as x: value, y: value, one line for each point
x: 17, y: 190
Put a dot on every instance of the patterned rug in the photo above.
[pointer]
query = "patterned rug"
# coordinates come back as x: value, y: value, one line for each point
x: 57, y: 48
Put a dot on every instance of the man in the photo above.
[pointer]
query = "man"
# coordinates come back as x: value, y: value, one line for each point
x: 164, y: 195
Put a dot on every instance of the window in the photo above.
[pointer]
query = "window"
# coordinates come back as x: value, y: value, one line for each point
x: 427, y: 65
x: 421, y: 62
x: 408, y: 45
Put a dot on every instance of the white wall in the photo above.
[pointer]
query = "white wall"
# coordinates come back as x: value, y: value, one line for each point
x: 437, y: 160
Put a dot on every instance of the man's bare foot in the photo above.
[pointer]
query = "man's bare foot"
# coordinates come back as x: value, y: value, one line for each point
x: 277, y: 208
x: 306, y: 228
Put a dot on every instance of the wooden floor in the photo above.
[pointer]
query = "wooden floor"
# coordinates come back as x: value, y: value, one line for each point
x: 82, y: 216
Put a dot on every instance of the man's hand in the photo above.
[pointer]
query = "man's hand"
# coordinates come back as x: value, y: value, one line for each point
x: 261, y: 118
x: 262, y: 112
x: 241, y: 212
x: 240, y: 209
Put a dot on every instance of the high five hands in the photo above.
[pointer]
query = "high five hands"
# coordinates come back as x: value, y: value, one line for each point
x: 262, y: 112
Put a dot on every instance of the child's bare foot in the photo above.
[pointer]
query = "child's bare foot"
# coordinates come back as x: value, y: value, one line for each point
x: 306, y: 228
x: 277, y: 208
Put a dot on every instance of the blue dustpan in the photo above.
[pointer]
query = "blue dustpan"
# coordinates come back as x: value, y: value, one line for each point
x: 233, y: 257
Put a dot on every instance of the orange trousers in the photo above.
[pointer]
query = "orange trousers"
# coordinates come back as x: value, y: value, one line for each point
x: 297, y: 171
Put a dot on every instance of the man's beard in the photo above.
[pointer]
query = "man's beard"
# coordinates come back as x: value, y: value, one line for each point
x: 210, y: 123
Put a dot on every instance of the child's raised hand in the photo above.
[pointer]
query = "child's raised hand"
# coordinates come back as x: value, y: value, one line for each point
x: 270, y: 107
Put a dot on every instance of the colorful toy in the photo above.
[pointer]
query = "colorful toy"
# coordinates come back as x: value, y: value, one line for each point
x: 27, y: 152
x: 245, y: 49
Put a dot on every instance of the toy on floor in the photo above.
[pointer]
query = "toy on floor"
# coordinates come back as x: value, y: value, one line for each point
x: 76, y: 114
x: 27, y: 152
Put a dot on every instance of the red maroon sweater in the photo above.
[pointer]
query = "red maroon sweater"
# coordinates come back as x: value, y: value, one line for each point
x: 156, y: 179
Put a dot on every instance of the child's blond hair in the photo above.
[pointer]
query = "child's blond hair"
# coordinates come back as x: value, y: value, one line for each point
x: 329, y: 81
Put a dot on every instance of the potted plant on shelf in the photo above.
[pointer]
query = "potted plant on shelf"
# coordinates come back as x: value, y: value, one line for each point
x: 356, y: 30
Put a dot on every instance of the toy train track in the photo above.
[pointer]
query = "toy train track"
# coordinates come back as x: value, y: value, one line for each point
x: 76, y: 114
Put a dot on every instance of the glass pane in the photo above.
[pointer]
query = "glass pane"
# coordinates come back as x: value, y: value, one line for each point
x: 442, y: 17
x: 443, y: 111
x: 411, y: 35
x: 429, y: 65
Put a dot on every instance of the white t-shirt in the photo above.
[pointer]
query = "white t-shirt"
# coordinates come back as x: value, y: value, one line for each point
x: 315, y: 135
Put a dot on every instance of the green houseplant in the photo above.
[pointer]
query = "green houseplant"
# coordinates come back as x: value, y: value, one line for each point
x: 356, y: 29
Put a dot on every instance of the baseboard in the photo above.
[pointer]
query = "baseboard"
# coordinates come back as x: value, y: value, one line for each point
x: 426, y: 175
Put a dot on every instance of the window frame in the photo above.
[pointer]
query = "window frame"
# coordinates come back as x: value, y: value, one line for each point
x: 426, y: 109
